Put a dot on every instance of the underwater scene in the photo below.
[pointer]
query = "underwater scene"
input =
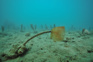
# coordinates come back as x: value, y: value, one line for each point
x: 46, y: 30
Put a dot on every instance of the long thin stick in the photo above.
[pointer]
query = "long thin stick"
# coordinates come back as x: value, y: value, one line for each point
x: 36, y: 36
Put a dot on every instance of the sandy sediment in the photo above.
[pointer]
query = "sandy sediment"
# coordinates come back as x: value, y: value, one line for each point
x: 74, y: 48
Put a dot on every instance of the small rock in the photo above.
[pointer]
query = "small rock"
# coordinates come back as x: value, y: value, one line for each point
x: 68, y: 38
x: 27, y: 34
x: 41, y: 48
x: 78, y: 36
x: 89, y: 51
x: 73, y: 41
x: 65, y: 41
x: 31, y: 44
x: 73, y: 38
x: 85, y: 31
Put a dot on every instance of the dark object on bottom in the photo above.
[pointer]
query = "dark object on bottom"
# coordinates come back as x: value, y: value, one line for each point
x: 0, y: 60
x: 89, y: 51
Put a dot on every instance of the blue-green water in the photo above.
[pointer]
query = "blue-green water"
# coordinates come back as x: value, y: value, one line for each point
x: 20, y: 20
x: 78, y: 13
